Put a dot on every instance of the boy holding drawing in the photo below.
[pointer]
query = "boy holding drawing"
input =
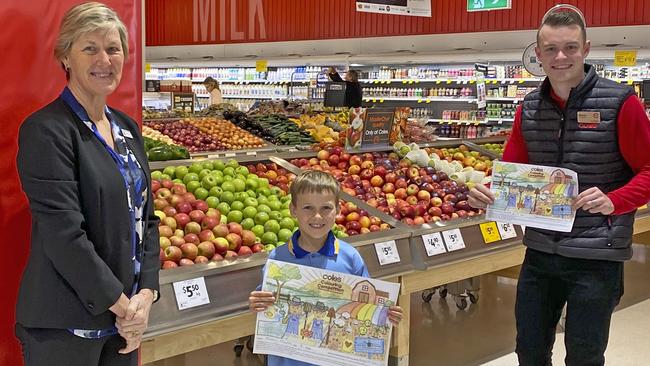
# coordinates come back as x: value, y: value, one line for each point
x: 315, y: 204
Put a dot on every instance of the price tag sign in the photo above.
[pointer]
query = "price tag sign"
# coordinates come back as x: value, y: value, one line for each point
x: 387, y: 252
x: 453, y: 240
x: 191, y: 293
x: 625, y: 58
x: 490, y: 232
x: 261, y: 66
x: 433, y: 244
x: 506, y: 230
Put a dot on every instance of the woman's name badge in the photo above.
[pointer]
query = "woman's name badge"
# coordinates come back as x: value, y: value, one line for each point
x: 127, y: 133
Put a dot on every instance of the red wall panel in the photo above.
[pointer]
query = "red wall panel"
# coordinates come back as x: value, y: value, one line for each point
x: 170, y: 22
x: 32, y: 79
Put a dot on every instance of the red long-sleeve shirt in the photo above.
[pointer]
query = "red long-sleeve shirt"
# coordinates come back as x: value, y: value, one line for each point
x: 633, y: 129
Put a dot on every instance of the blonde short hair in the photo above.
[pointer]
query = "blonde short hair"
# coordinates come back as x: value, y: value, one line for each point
x: 87, y: 18
x: 314, y: 181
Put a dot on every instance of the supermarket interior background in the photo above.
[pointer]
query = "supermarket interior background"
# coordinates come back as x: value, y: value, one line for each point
x: 279, y: 50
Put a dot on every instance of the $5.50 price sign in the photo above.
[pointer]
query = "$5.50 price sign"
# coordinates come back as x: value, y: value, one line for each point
x: 453, y: 240
x: 387, y: 252
x: 191, y: 293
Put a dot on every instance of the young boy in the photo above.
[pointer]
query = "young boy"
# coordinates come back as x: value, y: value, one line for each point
x: 315, y: 203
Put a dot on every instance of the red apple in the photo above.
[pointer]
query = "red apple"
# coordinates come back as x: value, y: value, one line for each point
x: 169, y: 221
x: 244, y: 250
x: 186, y: 262
x: 436, y: 201
x: 447, y: 208
x: 400, y: 193
x: 388, y: 188
x: 208, y: 223
x: 352, y: 216
x: 235, y: 228
x: 173, y: 254
x: 412, y: 189
x: 175, y: 199
x: 176, y: 241
x: 200, y: 205
x: 178, y: 188
x: 165, y: 231
x: 184, y: 207
x: 182, y: 219
x: 216, y: 257
x: 220, y: 231
x: 190, y: 250
x: 189, y: 197
x: 333, y: 160
x: 155, y: 186
x: 165, y: 242
x: 424, y: 195
x: 167, y: 183
x: 390, y: 177
x: 418, y: 220
x: 169, y: 264
x: 191, y: 238
x: 435, y: 211
x: 355, y: 160
x: 247, y: 238
x: 323, y: 155
x: 206, y: 249
x: 201, y: 259
x: 192, y: 228
x: 197, y: 215
x: 230, y: 255
x: 353, y: 225
x: 169, y: 211
x: 163, y: 193
x: 257, y: 247
x: 206, y: 235
x: 160, y: 203
x: 220, y: 245
x: 234, y: 241
x: 401, y: 183
x: 411, y: 200
x: 376, y: 181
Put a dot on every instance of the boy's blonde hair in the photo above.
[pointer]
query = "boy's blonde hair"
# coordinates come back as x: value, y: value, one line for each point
x: 314, y: 181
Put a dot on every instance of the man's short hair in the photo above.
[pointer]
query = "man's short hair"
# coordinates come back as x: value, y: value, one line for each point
x: 564, y: 18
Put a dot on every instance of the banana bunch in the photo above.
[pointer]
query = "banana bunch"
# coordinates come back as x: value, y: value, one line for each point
x: 316, y: 127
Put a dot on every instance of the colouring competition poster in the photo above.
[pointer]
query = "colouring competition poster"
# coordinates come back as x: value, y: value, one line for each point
x: 324, y: 317
x: 533, y: 195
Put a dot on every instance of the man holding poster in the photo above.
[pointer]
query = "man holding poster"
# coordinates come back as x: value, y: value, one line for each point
x: 599, y: 129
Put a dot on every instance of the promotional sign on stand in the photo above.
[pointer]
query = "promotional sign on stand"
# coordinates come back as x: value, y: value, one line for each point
x: 369, y: 129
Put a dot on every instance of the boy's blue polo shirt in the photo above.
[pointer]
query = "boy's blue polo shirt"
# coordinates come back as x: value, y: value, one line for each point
x: 335, y: 255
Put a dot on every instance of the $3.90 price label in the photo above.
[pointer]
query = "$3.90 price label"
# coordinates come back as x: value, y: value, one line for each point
x: 191, y: 293
x: 387, y: 252
x: 433, y: 244
x: 453, y: 239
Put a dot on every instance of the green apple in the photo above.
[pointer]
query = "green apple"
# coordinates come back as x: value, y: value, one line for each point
x: 204, y: 173
x: 275, y: 205
x: 164, y: 176
x: 285, y: 212
x: 232, y: 163
x: 272, y: 226
x: 229, y: 171
x: 177, y: 180
x: 156, y: 175
x: 275, y: 215
x: 208, y: 165
x: 201, y: 193
x: 193, y: 185
x: 269, y: 238
x: 224, y: 208
x: 258, y: 230
x: 241, y: 170
x: 284, y: 235
x: 212, y: 201
x: 181, y: 171
x: 208, y: 182
x: 262, y: 200
x: 215, y: 191
x: 251, y: 183
x: 261, y: 218
x: 247, y: 223
x: 235, y: 216
x: 239, y: 184
x: 237, y: 205
x: 251, y: 202
x: 170, y: 170
x: 228, y: 187
x: 287, y: 223
x: 264, y: 208
x: 227, y: 197
x: 196, y: 168
x: 190, y: 177
x: 219, y: 165
x: 249, y: 212
x: 269, y: 247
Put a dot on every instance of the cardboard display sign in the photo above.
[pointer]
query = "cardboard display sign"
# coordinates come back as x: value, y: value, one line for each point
x: 369, y: 128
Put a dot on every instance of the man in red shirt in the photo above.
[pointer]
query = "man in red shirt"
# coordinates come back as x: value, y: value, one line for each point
x: 599, y: 129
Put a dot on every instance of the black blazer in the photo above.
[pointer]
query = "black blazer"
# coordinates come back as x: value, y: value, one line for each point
x: 80, y: 258
x: 353, y: 91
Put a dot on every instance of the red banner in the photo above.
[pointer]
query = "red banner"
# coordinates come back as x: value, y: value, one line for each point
x: 185, y: 22
x: 32, y: 78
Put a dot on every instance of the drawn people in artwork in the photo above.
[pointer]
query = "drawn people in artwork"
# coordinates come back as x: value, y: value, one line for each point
x: 293, y: 318
x: 319, y: 313
x: 513, y: 193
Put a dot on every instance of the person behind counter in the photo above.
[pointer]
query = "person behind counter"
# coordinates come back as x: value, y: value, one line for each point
x: 353, y: 91
x: 92, y: 272
x: 212, y: 86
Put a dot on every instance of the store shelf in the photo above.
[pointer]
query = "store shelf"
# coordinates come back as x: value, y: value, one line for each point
x: 467, y: 80
x: 500, y: 120
x: 421, y: 99
x: 253, y: 97
x: 438, y: 120
x: 504, y: 99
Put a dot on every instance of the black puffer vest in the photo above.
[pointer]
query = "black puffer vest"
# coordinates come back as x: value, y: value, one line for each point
x: 553, y: 138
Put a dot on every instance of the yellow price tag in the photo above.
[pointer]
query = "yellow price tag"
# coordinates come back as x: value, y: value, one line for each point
x: 419, y: 100
x: 448, y: 81
x: 375, y: 81
x: 624, y: 58
x: 438, y: 81
x: 472, y: 81
x: 490, y: 232
x: 630, y: 82
x: 417, y: 81
x: 374, y: 100
x: 261, y: 66
x: 521, y: 81
x: 410, y: 81
x: 381, y: 100
x: 147, y: 67
x: 428, y: 100
x: 403, y: 81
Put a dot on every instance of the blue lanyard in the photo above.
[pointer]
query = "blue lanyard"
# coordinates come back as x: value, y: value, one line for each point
x: 135, y: 197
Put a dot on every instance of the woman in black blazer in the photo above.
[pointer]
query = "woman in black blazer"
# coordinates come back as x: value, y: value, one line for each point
x: 92, y: 272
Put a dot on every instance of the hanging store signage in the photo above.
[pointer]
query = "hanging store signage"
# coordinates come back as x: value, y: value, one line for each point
x: 417, y: 8
x: 484, y: 5
x: 261, y: 66
x: 624, y: 58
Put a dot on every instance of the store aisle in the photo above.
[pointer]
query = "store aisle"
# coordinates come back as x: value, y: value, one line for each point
x: 484, y: 333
